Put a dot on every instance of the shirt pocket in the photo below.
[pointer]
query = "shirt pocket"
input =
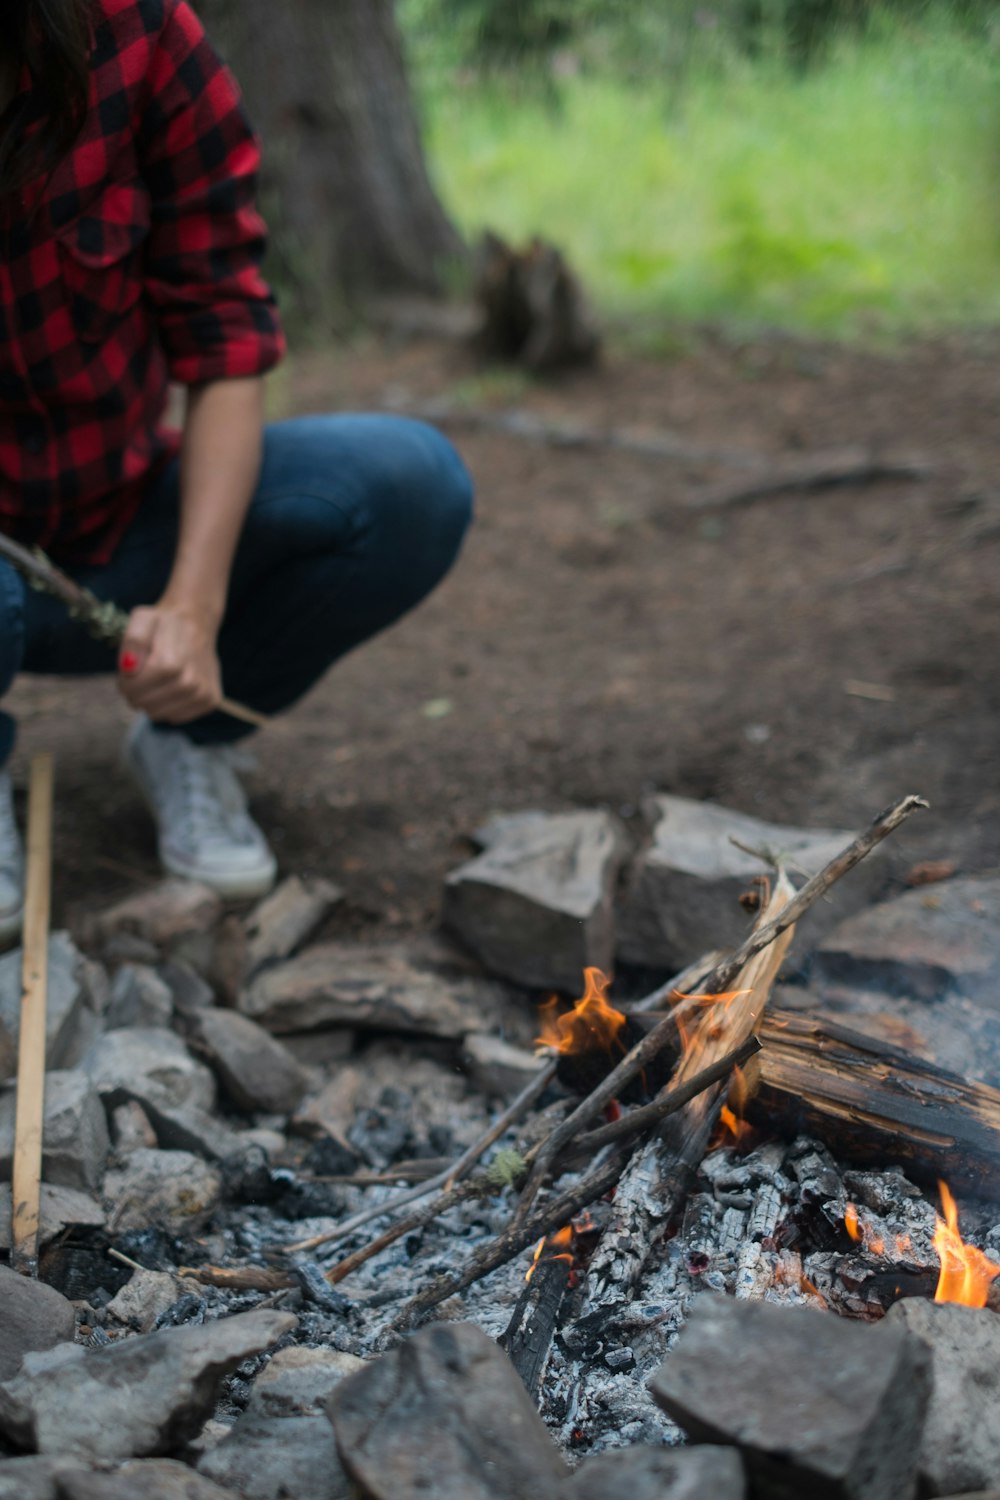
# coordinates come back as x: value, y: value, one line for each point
x: 101, y: 261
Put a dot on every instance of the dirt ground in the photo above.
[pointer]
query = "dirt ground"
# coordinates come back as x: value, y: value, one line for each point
x: 595, y: 643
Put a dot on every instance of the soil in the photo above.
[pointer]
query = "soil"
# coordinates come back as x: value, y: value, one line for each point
x: 807, y: 657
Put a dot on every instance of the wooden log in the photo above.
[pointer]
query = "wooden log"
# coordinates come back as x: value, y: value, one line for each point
x: 26, y: 1177
x: 872, y: 1103
x: 527, y: 1338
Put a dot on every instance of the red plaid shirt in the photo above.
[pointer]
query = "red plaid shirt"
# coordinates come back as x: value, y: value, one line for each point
x: 136, y: 262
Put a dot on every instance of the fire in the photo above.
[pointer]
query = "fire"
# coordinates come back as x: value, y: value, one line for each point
x: 592, y: 1025
x: 862, y: 1233
x: 966, y: 1273
x: 560, y: 1245
x: 851, y: 1222
x: 733, y: 1128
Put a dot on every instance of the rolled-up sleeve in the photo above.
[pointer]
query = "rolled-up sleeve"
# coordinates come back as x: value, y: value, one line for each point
x: 199, y: 157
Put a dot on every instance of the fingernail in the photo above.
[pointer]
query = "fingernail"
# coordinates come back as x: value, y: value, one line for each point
x: 128, y: 662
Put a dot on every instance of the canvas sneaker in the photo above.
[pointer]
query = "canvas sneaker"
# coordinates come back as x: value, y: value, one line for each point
x: 11, y: 865
x: 204, y: 830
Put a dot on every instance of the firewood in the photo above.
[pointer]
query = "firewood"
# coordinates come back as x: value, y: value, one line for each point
x: 528, y: 1336
x: 872, y: 1103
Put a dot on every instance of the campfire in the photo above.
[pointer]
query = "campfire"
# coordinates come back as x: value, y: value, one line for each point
x: 698, y: 1164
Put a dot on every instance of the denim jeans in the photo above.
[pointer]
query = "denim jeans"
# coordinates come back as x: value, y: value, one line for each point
x: 354, y: 520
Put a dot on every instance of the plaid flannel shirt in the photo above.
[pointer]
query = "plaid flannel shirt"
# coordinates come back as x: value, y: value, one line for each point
x: 134, y: 263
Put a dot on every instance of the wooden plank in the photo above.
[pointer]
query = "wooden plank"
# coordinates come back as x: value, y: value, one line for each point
x: 30, y: 1109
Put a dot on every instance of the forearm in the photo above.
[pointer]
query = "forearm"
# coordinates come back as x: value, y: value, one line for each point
x: 220, y: 462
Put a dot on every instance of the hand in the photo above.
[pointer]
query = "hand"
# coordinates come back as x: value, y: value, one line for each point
x: 168, y: 666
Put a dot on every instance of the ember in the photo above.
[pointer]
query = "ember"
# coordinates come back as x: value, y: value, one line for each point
x: 966, y: 1273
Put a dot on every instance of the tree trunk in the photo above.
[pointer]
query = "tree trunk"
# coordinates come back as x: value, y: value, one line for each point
x: 345, y: 186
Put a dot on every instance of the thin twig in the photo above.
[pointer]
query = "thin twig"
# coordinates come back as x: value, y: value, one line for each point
x: 443, y: 1180
x: 667, y: 1103
x: 448, y: 1199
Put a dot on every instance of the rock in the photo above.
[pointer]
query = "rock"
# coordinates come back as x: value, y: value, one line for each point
x: 444, y: 1414
x: 497, y: 1068
x: 658, y: 1474
x: 321, y: 1049
x: 61, y: 1208
x: 71, y: 1022
x: 536, y: 906
x: 131, y: 1129
x: 357, y: 985
x: 172, y: 1189
x: 187, y: 988
x: 923, y: 944
x: 143, y: 1396
x: 75, y: 1133
x: 285, y: 919
x: 961, y: 1442
x: 283, y: 1438
x: 256, y: 1071
x: 163, y: 915
x: 32, y: 1316
x: 332, y: 1110
x: 33, y: 1478
x: 816, y: 1404
x: 150, y: 1478
x: 153, y: 1067
x: 139, y: 997
x: 144, y: 1297
x: 271, y: 1142
x: 681, y: 894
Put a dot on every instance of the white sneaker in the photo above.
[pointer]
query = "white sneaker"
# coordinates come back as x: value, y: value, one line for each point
x: 11, y: 866
x: 205, y: 832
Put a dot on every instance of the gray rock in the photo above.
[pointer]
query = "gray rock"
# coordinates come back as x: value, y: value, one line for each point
x: 285, y: 919
x: 681, y: 894
x: 70, y: 1019
x: 356, y: 985
x: 537, y: 905
x: 163, y: 915
x: 320, y: 1049
x: 961, y: 1443
x: 283, y: 1438
x: 75, y: 1133
x: 189, y: 990
x: 150, y: 1478
x: 151, y: 1066
x: 32, y: 1316
x: 131, y: 1128
x: 444, y: 1414
x: 658, y: 1474
x: 139, y: 997
x: 32, y: 1478
x: 923, y: 944
x: 256, y: 1072
x: 817, y: 1405
x: 498, y: 1068
x: 173, y: 1189
x: 143, y: 1396
x: 61, y: 1208
x: 144, y: 1297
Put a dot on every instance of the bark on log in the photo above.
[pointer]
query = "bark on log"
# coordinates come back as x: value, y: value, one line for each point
x: 872, y: 1103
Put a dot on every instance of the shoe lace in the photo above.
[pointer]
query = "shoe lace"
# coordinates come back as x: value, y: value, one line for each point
x: 210, y: 802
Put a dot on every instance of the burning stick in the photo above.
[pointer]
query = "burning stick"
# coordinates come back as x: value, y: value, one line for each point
x: 104, y: 620
x: 26, y: 1190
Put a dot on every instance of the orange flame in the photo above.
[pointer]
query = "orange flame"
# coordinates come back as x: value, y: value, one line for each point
x: 863, y: 1233
x: 966, y: 1273
x: 851, y: 1222
x: 592, y: 1025
x: 562, y: 1237
x: 685, y: 1029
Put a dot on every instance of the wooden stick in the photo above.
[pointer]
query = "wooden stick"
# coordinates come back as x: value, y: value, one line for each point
x: 446, y: 1179
x: 26, y: 1188
x: 102, y: 618
x: 816, y: 471
x: 457, y: 1194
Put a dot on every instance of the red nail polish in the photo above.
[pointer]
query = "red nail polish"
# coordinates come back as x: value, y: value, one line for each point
x: 128, y: 662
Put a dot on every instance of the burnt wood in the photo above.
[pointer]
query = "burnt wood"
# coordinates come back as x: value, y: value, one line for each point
x: 527, y: 1338
x: 872, y: 1103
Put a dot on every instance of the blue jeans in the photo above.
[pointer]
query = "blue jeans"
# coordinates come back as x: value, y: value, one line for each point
x: 354, y: 520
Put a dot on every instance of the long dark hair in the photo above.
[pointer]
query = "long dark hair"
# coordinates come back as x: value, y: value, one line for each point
x: 53, y: 38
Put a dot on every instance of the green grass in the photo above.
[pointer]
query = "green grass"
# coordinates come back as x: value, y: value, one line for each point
x: 857, y: 197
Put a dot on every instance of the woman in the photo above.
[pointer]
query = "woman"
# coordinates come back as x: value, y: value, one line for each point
x: 248, y: 556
